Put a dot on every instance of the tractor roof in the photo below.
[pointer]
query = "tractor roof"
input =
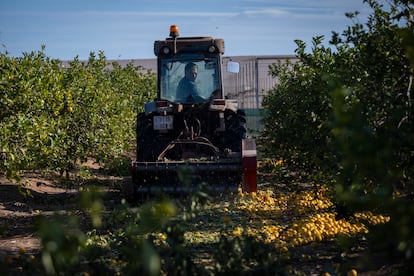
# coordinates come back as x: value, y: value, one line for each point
x: 189, y: 44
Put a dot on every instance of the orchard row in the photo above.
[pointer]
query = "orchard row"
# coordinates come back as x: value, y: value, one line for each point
x: 53, y: 115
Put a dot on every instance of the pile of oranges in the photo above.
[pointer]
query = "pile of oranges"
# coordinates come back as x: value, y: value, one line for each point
x: 298, y: 218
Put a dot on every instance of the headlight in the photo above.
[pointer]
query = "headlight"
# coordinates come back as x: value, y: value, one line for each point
x: 212, y: 49
x: 166, y: 50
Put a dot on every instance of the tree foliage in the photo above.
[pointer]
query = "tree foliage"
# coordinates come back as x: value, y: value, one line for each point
x: 347, y: 111
x: 52, y: 116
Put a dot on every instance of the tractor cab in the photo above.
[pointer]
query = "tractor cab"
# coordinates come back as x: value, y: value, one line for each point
x: 190, y: 77
x: 189, y: 68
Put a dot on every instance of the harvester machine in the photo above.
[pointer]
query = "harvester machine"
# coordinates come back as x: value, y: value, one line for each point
x: 191, y: 135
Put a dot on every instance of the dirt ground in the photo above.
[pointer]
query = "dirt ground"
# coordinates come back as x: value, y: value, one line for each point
x: 40, y: 193
x: 19, y: 209
x: 45, y: 194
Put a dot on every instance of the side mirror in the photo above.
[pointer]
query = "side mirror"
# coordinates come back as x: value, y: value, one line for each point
x: 233, y: 67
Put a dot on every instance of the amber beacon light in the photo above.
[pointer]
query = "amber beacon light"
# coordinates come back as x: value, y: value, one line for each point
x: 174, y: 31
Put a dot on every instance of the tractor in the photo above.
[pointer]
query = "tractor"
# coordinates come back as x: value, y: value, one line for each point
x: 191, y: 135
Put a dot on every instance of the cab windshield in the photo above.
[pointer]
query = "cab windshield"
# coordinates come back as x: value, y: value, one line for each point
x: 175, y: 84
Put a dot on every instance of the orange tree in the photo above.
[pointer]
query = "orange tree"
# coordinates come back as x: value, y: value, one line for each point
x: 31, y: 97
x: 53, y: 117
x: 346, y: 112
x: 103, y: 103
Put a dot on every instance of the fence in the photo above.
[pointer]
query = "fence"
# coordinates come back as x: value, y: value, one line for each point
x: 251, y: 85
x: 253, y: 81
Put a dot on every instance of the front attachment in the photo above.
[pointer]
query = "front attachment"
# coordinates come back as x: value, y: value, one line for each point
x: 178, y: 177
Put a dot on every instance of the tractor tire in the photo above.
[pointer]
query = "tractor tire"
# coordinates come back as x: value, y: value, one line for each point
x: 235, y: 129
x: 143, y: 132
x: 149, y: 146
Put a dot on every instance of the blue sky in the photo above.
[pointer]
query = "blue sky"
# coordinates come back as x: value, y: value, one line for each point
x: 126, y: 29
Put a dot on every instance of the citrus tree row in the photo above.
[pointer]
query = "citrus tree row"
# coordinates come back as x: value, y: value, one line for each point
x: 346, y: 114
x: 53, y: 115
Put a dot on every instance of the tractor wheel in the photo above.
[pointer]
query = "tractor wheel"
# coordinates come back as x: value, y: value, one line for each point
x: 235, y: 129
x: 146, y: 150
x: 149, y: 142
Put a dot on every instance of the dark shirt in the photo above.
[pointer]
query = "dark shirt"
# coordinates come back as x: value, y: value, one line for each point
x: 187, y: 91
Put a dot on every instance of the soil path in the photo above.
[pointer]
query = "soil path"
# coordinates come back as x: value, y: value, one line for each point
x: 20, y: 208
x: 40, y: 194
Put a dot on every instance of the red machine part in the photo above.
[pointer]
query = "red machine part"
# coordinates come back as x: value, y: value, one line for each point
x: 249, y: 163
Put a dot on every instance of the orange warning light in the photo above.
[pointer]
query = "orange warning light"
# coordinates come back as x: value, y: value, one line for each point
x: 174, y: 31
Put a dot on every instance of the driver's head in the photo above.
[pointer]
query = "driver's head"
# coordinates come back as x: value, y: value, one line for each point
x: 191, y: 71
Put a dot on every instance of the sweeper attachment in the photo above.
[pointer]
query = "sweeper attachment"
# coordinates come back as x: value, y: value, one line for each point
x: 190, y: 135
